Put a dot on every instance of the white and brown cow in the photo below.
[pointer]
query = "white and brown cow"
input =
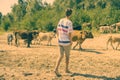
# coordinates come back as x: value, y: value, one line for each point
x: 48, y: 36
x: 112, y: 40
x: 106, y: 29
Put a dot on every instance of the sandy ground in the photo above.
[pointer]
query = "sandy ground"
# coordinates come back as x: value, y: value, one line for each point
x: 38, y: 62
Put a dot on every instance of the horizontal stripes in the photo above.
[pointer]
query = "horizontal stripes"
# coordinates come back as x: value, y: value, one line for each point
x: 64, y: 41
x: 63, y: 26
x: 59, y: 29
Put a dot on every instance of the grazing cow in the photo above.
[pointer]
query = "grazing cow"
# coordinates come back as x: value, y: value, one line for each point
x: 113, y: 39
x: 106, y: 29
x: 28, y: 36
x: 9, y: 39
x: 80, y: 36
x: 46, y: 37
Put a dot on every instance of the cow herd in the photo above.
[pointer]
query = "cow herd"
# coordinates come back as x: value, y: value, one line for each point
x: 35, y: 38
x: 30, y: 37
x: 109, y: 29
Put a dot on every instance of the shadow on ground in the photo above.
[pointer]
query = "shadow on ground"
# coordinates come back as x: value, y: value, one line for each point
x: 91, y: 50
x: 94, y: 76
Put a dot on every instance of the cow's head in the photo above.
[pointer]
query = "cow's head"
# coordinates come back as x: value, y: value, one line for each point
x: 35, y: 33
x: 82, y: 35
x: 53, y: 35
x: 89, y: 34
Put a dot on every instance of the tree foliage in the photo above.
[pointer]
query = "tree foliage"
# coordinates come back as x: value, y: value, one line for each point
x: 0, y: 17
x: 34, y: 14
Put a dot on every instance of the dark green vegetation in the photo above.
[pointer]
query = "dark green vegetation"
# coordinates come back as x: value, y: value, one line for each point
x: 33, y: 14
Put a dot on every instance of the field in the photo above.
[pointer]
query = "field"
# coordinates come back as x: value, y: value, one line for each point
x: 38, y: 62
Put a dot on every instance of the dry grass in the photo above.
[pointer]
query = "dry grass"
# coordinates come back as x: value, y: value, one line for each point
x: 38, y: 62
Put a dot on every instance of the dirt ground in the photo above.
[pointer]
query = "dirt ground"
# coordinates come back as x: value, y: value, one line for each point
x: 38, y: 62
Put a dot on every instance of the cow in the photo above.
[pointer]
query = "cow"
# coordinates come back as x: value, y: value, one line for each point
x: 28, y: 36
x: 48, y: 36
x: 79, y: 37
x: 106, y: 29
x: 117, y: 26
x: 112, y: 40
x: 9, y: 39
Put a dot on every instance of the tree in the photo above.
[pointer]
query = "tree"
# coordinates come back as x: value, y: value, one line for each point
x: 101, y: 4
x: 0, y: 17
x: 115, y: 3
x: 19, y: 10
x: 33, y: 14
x: 5, y: 23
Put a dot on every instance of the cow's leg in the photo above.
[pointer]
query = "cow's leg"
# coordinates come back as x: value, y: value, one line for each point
x: 112, y: 45
x: 28, y: 43
x: 117, y: 45
x: 116, y: 28
x: 11, y: 43
x: 75, y: 45
x: 16, y: 42
x: 35, y: 41
x: 80, y: 48
x: 40, y: 42
x: 8, y: 42
x: 107, y: 44
x: 109, y: 41
x: 49, y: 43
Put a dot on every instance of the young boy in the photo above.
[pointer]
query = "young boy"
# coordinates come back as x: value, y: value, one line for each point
x: 64, y: 30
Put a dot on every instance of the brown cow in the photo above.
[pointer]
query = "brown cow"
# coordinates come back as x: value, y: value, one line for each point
x: 80, y: 36
x: 28, y: 36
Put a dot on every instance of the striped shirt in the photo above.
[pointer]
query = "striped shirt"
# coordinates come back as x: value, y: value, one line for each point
x: 64, y: 27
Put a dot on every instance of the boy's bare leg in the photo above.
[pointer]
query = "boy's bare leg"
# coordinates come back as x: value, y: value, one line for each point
x: 67, y: 54
x: 59, y: 60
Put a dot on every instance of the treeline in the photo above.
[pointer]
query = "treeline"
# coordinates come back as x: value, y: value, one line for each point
x: 36, y: 15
